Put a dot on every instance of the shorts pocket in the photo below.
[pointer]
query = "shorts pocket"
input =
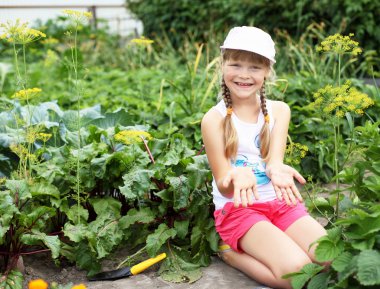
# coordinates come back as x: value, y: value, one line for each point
x: 221, y: 214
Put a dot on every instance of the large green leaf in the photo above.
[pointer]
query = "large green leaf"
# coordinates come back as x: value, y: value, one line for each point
x: 136, y: 183
x: 299, y: 279
x: 369, y: 267
x: 36, y: 237
x: 106, y: 204
x: 36, y: 217
x: 119, y: 117
x: 178, y: 267
x: 182, y: 228
x: 199, y: 171
x: 86, y: 258
x: 7, y: 212
x: 76, y: 233
x: 319, y: 281
x: 342, y: 261
x: 327, y: 250
x: 181, y: 191
x: 143, y: 215
x: 76, y: 214
x: 19, y: 189
x: 155, y: 240
x: 107, y: 232
x: 44, y: 189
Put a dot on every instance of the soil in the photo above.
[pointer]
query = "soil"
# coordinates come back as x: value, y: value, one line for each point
x: 42, y: 266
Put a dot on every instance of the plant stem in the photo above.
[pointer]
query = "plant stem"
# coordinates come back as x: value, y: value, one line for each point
x: 74, y: 56
x: 336, y: 166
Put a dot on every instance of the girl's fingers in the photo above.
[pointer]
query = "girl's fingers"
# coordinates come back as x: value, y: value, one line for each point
x: 278, y: 193
x: 299, y: 177
x: 244, y: 199
x: 291, y: 196
x: 237, y: 198
x: 250, y: 196
x: 296, y: 193
x: 285, y: 196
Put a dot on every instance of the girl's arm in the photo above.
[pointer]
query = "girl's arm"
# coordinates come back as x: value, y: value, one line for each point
x: 238, y: 183
x: 282, y: 176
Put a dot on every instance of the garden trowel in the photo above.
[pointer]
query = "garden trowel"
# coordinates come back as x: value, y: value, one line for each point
x: 127, y: 271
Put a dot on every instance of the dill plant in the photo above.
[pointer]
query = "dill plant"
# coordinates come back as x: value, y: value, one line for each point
x: 333, y: 102
x: 19, y: 35
x: 78, y: 19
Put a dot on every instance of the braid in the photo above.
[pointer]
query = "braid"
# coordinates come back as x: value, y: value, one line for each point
x: 265, y: 131
x: 226, y: 95
x: 230, y: 134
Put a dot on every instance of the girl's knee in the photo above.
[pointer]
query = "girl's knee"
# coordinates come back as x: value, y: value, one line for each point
x: 294, y: 265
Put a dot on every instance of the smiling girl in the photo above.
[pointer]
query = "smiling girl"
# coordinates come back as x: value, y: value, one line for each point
x: 259, y: 215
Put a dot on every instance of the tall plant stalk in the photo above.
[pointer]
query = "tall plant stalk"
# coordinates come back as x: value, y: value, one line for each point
x: 78, y: 19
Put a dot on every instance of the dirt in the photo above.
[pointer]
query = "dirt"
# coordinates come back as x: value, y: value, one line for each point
x: 42, y: 266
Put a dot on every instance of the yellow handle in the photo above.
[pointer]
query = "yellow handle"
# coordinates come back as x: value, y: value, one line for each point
x: 146, y: 264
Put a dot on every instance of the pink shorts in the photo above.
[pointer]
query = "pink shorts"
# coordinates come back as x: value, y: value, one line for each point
x: 232, y: 223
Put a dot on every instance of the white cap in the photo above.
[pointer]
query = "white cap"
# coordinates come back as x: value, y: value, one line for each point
x: 250, y: 39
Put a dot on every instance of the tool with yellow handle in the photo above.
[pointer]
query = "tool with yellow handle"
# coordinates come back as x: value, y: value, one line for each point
x: 127, y: 271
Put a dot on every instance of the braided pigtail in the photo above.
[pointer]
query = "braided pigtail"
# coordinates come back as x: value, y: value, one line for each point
x: 265, y: 131
x: 230, y: 134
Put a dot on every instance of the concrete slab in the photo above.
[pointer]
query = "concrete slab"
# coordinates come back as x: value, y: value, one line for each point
x: 217, y: 276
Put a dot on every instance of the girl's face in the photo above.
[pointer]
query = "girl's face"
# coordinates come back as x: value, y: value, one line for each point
x: 244, y: 78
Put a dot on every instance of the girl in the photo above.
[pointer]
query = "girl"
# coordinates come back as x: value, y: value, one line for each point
x: 259, y: 213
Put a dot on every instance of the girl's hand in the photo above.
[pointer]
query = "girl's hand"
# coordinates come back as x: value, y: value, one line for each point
x: 244, y: 185
x: 282, y: 177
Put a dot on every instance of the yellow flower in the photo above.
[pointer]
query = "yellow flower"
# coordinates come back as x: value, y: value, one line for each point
x: 142, y: 41
x: 294, y: 153
x: 19, y: 33
x: 80, y: 286
x: 78, y: 16
x: 27, y: 94
x: 19, y: 150
x: 44, y: 136
x: 38, y: 284
x: 132, y: 136
x: 340, y: 44
x: 341, y: 99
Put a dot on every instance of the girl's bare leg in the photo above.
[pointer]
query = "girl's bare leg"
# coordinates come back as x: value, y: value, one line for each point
x: 269, y: 254
x: 304, y: 232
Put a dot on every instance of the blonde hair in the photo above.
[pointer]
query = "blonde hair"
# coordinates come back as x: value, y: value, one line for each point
x: 230, y: 135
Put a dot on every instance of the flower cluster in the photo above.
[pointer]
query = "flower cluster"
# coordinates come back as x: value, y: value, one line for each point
x: 294, y: 153
x: 32, y: 135
x: 132, y: 136
x: 340, y: 44
x: 337, y: 100
x: 78, y: 16
x: 19, y: 33
x: 142, y: 41
x: 23, y: 153
x: 27, y: 94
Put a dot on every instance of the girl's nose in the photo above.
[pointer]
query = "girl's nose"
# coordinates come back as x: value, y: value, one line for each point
x: 244, y: 73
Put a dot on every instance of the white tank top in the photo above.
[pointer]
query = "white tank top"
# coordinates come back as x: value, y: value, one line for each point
x: 248, y: 154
